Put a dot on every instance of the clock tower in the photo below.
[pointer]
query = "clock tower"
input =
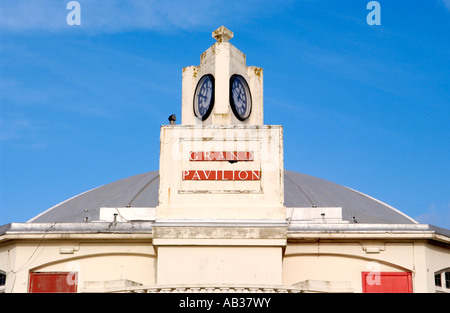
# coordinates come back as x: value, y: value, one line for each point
x: 222, y: 90
x: 221, y: 177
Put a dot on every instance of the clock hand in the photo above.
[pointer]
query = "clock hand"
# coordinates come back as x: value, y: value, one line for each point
x: 241, y: 99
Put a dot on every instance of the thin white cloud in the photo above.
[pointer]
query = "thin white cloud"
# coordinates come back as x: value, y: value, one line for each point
x: 12, y: 129
x: 438, y: 216
x: 27, y: 14
x: 119, y: 15
x: 446, y: 3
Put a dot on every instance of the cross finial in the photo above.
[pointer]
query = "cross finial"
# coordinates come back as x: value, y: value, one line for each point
x: 222, y: 34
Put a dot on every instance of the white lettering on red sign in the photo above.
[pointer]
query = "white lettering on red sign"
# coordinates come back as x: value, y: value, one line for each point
x: 221, y: 175
x: 221, y: 156
x: 232, y: 156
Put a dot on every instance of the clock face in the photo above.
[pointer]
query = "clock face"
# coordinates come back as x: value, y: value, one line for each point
x: 204, y: 97
x: 240, y: 97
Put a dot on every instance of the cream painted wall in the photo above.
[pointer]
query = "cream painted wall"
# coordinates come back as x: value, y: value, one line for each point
x: 345, y: 261
x: 94, y: 260
x: 219, y: 265
x: 222, y: 264
x: 437, y: 259
x: 298, y: 268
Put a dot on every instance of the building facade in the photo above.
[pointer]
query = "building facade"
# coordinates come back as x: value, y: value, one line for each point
x: 222, y: 214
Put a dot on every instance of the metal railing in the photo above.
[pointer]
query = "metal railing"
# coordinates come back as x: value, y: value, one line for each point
x: 204, y: 289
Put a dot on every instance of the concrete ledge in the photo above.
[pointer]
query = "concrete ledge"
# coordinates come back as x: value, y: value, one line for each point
x: 127, y: 214
x: 85, y: 228
x: 220, y: 232
x: 315, y: 215
x: 105, y: 286
x: 339, y: 227
x: 219, y: 242
x: 321, y: 286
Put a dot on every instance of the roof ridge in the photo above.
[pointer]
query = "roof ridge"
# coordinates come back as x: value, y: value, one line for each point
x: 385, y: 204
x: 142, y: 189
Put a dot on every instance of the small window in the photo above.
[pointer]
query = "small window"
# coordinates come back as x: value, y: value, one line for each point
x: 447, y: 279
x: 2, y: 282
x: 2, y: 279
x: 442, y: 280
x: 437, y: 280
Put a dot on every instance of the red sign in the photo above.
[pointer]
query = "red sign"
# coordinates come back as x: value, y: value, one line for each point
x: 48, y: 282
x: 221, y: 175
x: 232, y: 156
x: 386, y: 282
x: 221, y: 156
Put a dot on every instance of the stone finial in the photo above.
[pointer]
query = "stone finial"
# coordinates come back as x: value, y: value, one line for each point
x: 222, y: 34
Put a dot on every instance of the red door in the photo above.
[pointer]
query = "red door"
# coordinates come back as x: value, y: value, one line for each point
x: 52, y: 282
x: 386, y: 282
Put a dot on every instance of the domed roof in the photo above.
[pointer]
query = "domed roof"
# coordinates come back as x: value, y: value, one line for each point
x: 300, y: 190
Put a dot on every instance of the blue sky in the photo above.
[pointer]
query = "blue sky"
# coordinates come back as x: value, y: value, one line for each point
x: 364, y: 106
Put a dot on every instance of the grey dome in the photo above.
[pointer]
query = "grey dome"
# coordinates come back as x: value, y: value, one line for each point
x: 300, y: 191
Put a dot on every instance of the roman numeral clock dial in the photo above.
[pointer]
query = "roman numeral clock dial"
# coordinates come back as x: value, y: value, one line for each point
x: 240, y: 97
x: 204, y: 97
